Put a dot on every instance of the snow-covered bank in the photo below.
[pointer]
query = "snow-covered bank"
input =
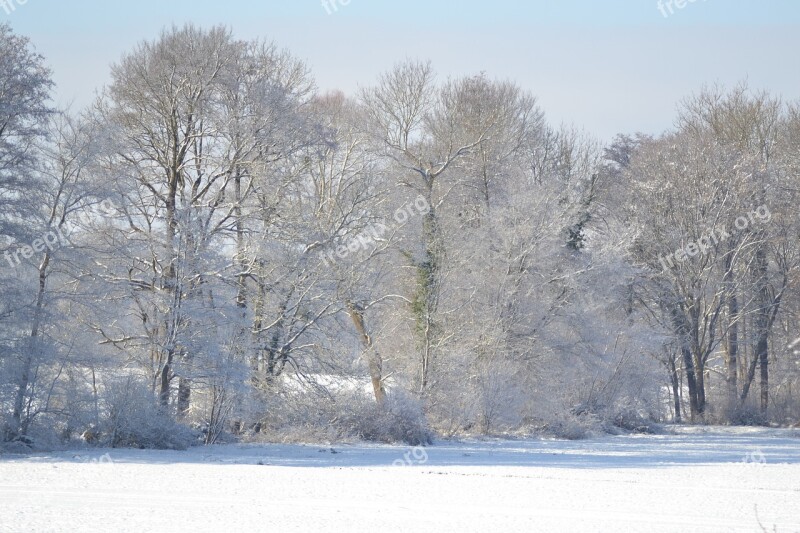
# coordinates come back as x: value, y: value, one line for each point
x: 695, y: 480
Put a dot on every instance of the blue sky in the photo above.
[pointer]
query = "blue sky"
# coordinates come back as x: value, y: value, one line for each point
x: 607, y: 66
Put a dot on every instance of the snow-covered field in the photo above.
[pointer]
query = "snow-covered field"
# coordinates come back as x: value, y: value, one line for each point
x: 696, y: 480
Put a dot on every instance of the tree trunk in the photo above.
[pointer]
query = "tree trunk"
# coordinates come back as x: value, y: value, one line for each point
x: 762, y: 353
x: 241, y: 289
x: 426, y: 299
x: 166, y: 371
x: 751, y: 374
x: 762, y: 322
x: 682, y: 331
x: 184, y: 396
x: 700, y: 382
x: 19, y: 426
x: 691, y: 380
x: 732, y: 345
x: 699, y: 366
x: 171, y: 276
x: 673, y: 374
x: 373, y: 357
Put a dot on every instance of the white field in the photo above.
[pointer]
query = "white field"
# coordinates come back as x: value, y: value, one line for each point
x: 696, y: 480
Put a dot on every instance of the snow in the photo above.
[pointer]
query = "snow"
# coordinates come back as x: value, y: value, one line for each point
x: 697, y: 479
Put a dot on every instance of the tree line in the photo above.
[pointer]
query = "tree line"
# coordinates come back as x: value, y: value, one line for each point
x: 215, y: 249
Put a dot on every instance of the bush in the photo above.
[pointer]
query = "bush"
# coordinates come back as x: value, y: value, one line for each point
x: 17, y: 445
x: 571, y: 426
x: 399, y: 419
x: 633, y: 422
x: 748, y: 415
x: 134, y: 420
x: 345, y: 415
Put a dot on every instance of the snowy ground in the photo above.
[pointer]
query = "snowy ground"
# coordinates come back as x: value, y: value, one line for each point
x: 698, y: 480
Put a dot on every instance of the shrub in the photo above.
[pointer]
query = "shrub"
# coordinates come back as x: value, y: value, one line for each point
x: 399, y: 419
x: 312, y: 415
x: 135, y: 420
